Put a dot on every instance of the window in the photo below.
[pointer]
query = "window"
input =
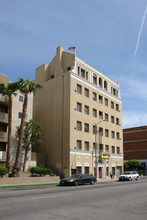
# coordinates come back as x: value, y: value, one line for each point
x: 106, y: 117
x: 94, y: 146
x: 118, y: 150
x: 101, y: 131
x: 79, y: 72
x: 86, y: 110
x: 113, y: 150
x: 117, y: 121
x: 94, y: 129
x: 79, y: 89
x: 79, y: 107
x: 86, y: 128
x: 19, y: 114
x: 94, y: 112
x: 79, y: 125
x: 94, y: 96
x: 83, y: 73
x: 105, y: 85
x: 86, y: 145
x: 112, y: 134
x: 100, y: 82
x: 86, y: 92
x: 106, y: 133
x: 21, y: 98
x: 101, y: 148
x: 101, y: 115
x: 100, y: 99
x: 112, y: 119
x: 106, y: 102
x: 117, y: 135
x: 106, y: 148
x: 113, y: 171
x: 86, y: 75
x: 114, y: 91
x: 79, y: 145
x: 94, y: 79
x: 112, y: 105
x: 117, y: 107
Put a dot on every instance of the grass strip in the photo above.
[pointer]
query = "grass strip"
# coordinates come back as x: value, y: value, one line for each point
x: 15, y: 186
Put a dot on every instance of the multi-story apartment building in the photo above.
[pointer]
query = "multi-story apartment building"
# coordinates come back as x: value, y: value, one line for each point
x: 3, y: 122
x: 135, y: 145
x: 17, y: 104
x: 74, y: 98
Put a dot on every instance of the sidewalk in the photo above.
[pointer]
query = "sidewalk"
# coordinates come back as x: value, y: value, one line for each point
x: 14, y: 181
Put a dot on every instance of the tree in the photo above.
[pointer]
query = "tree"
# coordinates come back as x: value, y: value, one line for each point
x: 9, y: 90
x: 133, y: 164
x: 25, y: 87
x: 31, y: 136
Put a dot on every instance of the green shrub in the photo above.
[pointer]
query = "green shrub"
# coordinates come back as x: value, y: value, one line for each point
x: 40, y: 171
x: 3, y: 171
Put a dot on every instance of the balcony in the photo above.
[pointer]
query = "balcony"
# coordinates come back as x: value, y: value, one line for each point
x: 3, y: 136
x: 4, y: 100
x: 3, y: 156
x: 3, y: 117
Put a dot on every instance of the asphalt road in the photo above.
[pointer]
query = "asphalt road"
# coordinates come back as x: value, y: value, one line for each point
x: 115, y: 200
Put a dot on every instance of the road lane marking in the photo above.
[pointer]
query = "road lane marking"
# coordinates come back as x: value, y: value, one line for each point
x: 118, y: 187
x: 52, y: 196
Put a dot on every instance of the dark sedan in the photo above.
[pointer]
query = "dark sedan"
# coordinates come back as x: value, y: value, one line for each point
x: 78, y: 179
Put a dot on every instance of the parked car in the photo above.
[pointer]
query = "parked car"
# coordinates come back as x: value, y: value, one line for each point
x: 78, y: 179
x: 129, y: 175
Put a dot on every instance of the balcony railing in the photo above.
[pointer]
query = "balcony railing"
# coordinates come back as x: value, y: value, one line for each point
x: 4, y: 99
x: 2, y: 155
x: 3, y: 136
x: 3, y: 117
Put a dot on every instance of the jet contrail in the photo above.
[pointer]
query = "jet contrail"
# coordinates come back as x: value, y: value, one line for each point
x: 139, y: 35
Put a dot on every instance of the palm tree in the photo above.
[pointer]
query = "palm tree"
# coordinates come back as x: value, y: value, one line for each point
x: 25, y: 87
x: 9, y: 90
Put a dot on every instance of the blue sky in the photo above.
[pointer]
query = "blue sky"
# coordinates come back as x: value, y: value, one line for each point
x: 105, y: 34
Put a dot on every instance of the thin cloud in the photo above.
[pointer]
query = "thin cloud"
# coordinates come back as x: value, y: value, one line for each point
x: 134, y: 119
x: 133, y: 88
x: 140, y: 31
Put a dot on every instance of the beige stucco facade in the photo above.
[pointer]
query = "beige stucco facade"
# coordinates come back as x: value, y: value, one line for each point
x: 74, y: 98
x: 17, y: 105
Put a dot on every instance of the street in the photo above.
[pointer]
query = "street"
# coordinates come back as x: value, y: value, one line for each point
x: 115, y: 200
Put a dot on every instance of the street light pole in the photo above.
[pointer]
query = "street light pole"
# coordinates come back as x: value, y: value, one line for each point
x: 96, y: 161
x: 96, y: 156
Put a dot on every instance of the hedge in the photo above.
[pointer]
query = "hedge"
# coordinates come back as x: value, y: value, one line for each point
x: 3, y: 171
x: 41, y: 171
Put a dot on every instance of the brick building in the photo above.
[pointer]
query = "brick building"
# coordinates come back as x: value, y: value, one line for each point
x: 135, y: 144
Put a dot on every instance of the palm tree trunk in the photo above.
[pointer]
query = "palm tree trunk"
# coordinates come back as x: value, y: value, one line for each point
x: 25, y: 160
x: 8, y: 165
x: 16, y: 168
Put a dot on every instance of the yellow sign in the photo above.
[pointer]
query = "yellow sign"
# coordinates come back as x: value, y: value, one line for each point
x: 105, y: 155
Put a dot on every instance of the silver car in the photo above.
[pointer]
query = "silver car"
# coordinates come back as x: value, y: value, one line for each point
x: 129, y: 175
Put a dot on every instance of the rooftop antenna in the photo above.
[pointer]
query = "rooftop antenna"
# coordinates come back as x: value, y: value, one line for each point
x: 140, y: 119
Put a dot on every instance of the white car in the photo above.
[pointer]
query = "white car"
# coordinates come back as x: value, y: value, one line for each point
x: 129, y: 175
